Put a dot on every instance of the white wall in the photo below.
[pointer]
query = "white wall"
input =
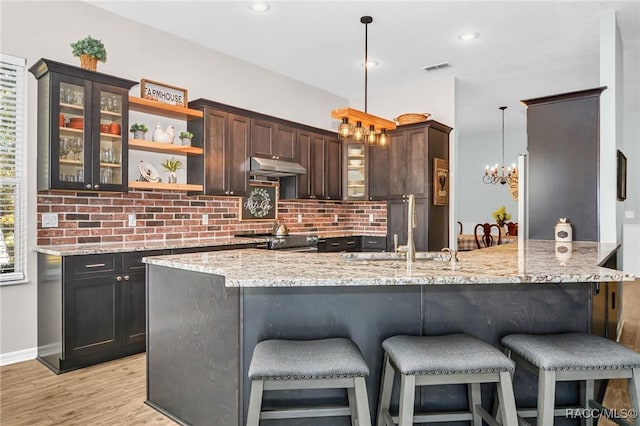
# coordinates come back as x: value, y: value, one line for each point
x: 45, y: 29
x: 476, y: 200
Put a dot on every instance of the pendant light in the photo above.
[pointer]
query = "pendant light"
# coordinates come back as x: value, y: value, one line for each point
x: 368, y: 128
x: 497, y: 173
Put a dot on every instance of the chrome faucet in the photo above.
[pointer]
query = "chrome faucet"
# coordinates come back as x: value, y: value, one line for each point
x: 453, y: 255
x: 410, y: 247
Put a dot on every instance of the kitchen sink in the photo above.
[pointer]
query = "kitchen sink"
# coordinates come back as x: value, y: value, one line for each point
x: 421, y: 255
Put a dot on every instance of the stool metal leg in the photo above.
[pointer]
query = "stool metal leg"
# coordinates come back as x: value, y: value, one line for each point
x: 407, y: 397
x: 385, y: 391
x: 546, y: 397
x: 507, y: 400
x: 362, y: 403
x: 255, y: 403
x: 475, y: 398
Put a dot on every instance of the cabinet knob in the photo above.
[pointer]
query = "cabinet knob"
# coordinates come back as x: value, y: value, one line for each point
x: 126, y: 277
x: 96, y: 186
x: 119, y: 278
x: 231, y: 192
x: 88, y: 186
x: 226, y: 192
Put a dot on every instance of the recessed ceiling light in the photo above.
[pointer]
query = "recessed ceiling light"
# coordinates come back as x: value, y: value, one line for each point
x: 468, y: 36
x: 260, y: 7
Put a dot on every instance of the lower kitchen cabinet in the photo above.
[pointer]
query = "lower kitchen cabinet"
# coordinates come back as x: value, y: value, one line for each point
x: 357, y: 243
x: 91, y: 308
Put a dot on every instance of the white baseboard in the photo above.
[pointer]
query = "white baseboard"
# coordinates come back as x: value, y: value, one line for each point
x: 18, y: 356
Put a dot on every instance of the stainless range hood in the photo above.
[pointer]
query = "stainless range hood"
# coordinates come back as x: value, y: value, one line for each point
x: 275, y: 168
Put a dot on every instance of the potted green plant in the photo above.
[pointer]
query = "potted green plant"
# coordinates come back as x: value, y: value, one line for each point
x: 501, y: 216
x: 90, y: 51
x: 138, y: 130
x: 172, y: 165
x: 186, y: 137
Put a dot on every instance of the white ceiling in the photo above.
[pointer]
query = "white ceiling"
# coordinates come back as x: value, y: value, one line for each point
x: 525, y: 49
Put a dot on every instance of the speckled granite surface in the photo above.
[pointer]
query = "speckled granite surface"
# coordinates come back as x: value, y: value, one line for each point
x: 529, y: 262
x: 81, y: 249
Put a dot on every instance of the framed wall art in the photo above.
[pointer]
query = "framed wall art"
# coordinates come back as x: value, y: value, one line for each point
x: 260, y: 204
x: 440, y: 182
x: 622, y: 176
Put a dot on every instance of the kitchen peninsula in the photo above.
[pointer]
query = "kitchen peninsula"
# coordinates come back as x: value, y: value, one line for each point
x: 206, y: 312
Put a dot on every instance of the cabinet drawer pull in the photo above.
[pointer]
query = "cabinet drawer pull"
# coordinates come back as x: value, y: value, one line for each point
x: 373, y: 242
x: 335, y: 244
x: 350, y: 243
x: 262, y: 246
x: 95, y: 265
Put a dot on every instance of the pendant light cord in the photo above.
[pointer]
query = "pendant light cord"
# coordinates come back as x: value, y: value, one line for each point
x: 503, y: 108
x: 366, y: 63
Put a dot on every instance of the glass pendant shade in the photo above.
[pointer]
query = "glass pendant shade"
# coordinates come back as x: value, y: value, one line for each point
x: 359, y: 132
x: 383, y: 138
x: 371, y: 135
x: 345, y: 129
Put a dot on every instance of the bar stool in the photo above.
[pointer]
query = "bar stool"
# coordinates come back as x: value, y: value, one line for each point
x: 440, y: 360
x: 572, y: 357
x: 309, y: 364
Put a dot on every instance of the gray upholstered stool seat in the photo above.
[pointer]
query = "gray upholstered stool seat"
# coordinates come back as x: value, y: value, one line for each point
x: 572, y: 357
x: 440, y: 360
x: 309, y: 364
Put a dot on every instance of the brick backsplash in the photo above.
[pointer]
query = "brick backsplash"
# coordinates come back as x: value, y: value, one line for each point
x: 103, y: 217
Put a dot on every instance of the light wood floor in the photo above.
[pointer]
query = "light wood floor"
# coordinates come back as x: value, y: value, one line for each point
x: 112, y: 393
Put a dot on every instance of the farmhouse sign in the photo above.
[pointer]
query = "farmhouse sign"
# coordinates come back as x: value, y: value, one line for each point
x: 163, y: 93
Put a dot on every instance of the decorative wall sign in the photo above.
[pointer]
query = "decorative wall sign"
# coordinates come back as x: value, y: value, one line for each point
x: 163, y: 93
x: 622, y: 176
x: 440, y: 182
x: 261, y: 204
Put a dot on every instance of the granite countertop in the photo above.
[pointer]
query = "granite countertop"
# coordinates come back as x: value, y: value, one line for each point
x: 119, y: 247
x: 523, y: 262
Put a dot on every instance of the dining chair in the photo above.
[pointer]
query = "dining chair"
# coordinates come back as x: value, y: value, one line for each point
x: 460, y: 225
x: 486, y: 238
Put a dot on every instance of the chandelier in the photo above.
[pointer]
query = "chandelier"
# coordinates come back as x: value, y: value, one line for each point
x: 368, y: 128
x: 497, y: 173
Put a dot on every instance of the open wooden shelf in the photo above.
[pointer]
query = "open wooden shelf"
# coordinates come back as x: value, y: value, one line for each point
x: 162, y: 185
x: 158, y: 108
x: 167, y: 148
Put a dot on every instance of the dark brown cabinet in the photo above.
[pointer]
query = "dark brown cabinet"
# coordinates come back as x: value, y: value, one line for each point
x: 82, y: 128
x: 90, y: 308
x: 225, y: 138
x: 270, y: 139
x: 406, y: 167
x: 563, y: 141
x: 320, y: 155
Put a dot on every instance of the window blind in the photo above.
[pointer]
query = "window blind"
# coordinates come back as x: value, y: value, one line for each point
x: 12, y: 187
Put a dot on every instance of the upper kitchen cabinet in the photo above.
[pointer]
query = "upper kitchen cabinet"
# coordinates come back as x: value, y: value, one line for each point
x: 410, y: 155
x: 563, y: 133
x: 319, y: 153
x: 355, y: 162
x: 270, y: 139
x: 225, y: 138
x: 82, y: 128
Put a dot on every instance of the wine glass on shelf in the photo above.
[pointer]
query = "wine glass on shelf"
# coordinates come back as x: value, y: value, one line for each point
x: 76, y: 148
x: 64, y: 148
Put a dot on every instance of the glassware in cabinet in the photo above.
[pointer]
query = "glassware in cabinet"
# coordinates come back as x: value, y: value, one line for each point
x: 82, y: 117
x: 356, y: 170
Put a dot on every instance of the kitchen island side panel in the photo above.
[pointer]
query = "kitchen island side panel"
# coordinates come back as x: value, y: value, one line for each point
x: 366, y: 315
x: 193, y: 347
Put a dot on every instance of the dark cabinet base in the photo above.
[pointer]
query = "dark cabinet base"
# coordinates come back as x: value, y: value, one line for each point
x: 59, y: 366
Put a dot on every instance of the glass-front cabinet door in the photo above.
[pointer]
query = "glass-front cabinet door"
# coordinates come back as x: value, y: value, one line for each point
x: 82, y: 128
x: 356, y: 171
x: 111, y: 141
